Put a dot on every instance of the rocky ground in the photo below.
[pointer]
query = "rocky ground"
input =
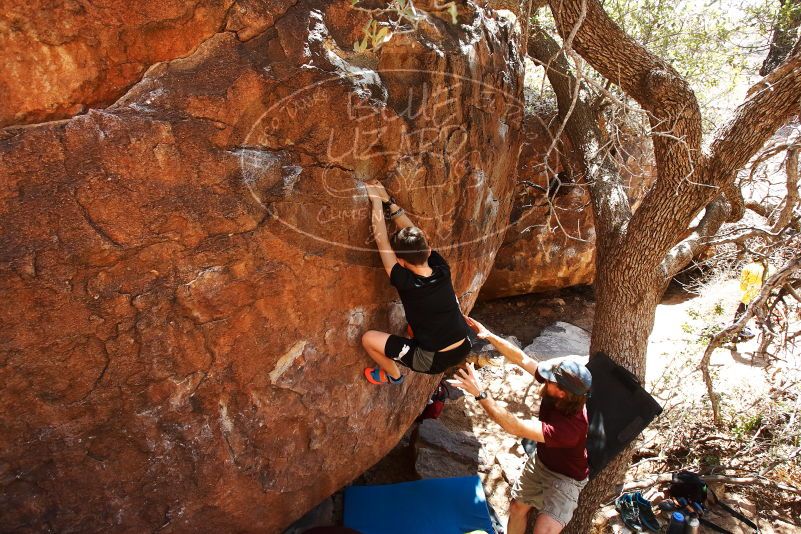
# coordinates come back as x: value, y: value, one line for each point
x: 756, y: 394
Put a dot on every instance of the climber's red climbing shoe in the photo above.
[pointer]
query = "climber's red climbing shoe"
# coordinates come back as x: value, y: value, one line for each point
x: 376, y: 375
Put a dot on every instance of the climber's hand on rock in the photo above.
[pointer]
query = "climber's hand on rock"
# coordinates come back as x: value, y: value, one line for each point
x: 481, y: 331
x: 374, y: 191
x: 468, y: 380
x: 379, y: 187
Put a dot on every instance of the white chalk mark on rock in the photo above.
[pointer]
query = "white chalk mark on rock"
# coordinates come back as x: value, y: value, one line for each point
x: 355, y: 324
x: 285, y: 361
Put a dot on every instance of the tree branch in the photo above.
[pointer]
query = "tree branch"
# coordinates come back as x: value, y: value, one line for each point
x: 709, y: 479
x: 674, y: 116
x: 769, y: 104
x: 772, y: 102
x: 656, y: 86
x: 786, y: 217
x: 717, y: 212
x: 791, y: 200
x: 611, y: 207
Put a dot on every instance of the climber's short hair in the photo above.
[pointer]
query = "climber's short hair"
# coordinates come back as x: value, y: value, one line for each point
x: 410, y: 245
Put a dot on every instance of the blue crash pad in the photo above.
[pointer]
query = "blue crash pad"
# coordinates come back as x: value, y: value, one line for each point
x: 435, y: 505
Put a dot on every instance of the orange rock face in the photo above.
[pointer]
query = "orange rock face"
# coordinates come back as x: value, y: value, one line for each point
x: 60, y: 59
x: 187, y: 273
x: 550, y: 243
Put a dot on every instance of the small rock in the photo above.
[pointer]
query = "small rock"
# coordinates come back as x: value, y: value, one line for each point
x: 559, y: 339
x: 431, y: 463
x: 433, y: 434
x: 441, y: 452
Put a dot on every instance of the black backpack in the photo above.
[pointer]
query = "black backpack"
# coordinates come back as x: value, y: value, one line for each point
x: 688, y: 485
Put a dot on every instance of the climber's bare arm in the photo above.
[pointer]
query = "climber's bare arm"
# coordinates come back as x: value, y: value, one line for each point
x: 401, y: 220
x: 388, y: 257
x: 509, y: 351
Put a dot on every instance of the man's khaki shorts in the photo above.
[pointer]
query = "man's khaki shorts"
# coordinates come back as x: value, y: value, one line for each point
x: 550, y: 493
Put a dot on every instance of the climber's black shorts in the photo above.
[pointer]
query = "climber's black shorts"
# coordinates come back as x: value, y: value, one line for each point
x: 407, y: 352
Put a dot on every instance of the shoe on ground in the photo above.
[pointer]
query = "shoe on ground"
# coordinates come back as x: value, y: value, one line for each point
x: 647, y: 517
x: 629, y: 512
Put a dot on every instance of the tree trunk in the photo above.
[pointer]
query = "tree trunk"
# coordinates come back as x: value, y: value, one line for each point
x: 626, y: 301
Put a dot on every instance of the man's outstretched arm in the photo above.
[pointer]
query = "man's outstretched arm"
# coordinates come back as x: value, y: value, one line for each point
x: 388, y: 257
x: 468, y: 381
x: 509, y: 351
x: 511, y: 423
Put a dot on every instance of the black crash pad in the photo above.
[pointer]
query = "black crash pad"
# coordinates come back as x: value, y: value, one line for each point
x: 618, y: 410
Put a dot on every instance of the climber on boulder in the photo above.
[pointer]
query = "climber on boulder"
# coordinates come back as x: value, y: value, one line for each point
x: 423, y: 280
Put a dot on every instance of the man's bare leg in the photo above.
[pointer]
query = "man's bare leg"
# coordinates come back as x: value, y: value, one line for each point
x: 518, y: 517
x: 374, y: 343
x: 546, y: 524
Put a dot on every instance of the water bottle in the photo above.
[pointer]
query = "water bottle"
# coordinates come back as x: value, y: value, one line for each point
x: 677, y: 524
x: 693, y: 526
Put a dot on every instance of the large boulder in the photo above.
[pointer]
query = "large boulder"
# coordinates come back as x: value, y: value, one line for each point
x: 550, y: 243
x: 187, y: 272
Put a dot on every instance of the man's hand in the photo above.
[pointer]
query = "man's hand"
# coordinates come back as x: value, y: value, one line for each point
x: 468, y: 381
x: 481, y: 331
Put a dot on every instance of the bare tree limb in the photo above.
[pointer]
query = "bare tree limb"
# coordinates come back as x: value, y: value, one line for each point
x: 717, y: 212
x: 610, y: 202
x: 771, y: 102
x: 747, y: 132
x: 785, y: 219
x: 791, y: 200
x: 711, y: 479
x: 759, y: 209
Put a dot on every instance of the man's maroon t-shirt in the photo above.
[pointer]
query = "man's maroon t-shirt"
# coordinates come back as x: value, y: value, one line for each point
x: 565, y: 448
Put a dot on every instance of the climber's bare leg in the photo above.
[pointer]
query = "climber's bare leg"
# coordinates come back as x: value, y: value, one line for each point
x: 374, y: 343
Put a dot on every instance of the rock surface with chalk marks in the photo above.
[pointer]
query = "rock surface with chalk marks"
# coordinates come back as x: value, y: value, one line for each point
x: 187, y: 271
